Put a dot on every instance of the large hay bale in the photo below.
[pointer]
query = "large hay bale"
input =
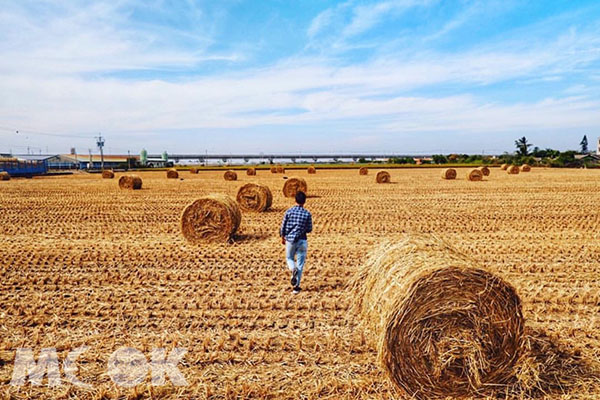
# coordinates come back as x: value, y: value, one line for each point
x: 449, y: 173
x: 443, y: 327
x: 485, y: 170
x: 194, y: 170
x: 525, y: 168
x: 504, y: 167
x: 212, y: 218
x: 251, y: 171
x: 280, y: 169
x: 273, y: 169
x: 293, y: 186
x: 132, y: 182
x: 311, y: 170
x: 4, y: 176
x: 513, y: 170
x: 108, y: 174
x: 230, y: 175
x: 475, y: 175
x: 172, y: 173
x: 253, y: 197
x: 383, y: 177
x: 363, y: 171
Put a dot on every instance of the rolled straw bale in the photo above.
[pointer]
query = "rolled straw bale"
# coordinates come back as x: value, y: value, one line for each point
x: 504, y: 167
x: 4, y: 176
x: 212, y: 218
x: 443, y: 327
x: 293, y: 186
x: 273, y: 169
x: 251, y: 171
x: 133, y: 182
x: 172, y: 174
x: 449, y: 173
x: 230, y: 175
x: 513, y: 170
x: 383, y: 177
x: 485, y: 170
x: 253, y: 197
x: 312, y: 170
x: 525, y: 168
x: 107, y: 174
x: 475, y: 175
x: 363, y: 171
x: 194, y: 170
x: 280, y: 169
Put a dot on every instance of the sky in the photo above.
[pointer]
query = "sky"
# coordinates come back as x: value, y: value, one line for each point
x: 321, y: 76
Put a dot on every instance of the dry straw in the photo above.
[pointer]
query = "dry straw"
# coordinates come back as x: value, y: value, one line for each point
x: 504, y: 167
x: 442, y: 325
x: 485, y: 170
x: 293, y: 186
x: 513, y: 170
x: 212, y: 218
x: 4, y: 176
x: 253, y: 197
x: 383, y: 177
x: 312, y: 170
x: 363, y: 171
x: 525, y: 168
x: 172, y: 174
x: 475, y: 175
x: 108, y: 174
x: 280, y: 169
x: 230, y: 175
x: 251, y: 171
x: 449, y: 173
x: 132, y: 182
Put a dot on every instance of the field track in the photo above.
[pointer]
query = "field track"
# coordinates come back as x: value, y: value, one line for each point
x: 85, y: 263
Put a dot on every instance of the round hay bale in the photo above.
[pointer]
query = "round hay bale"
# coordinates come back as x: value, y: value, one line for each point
x: 475, y: 175
x: 251, y: 171
x: 253, y: 197
x: 311, y: 170
x: 443, y: 327
x: 293, y: 186
x: 449, y: 173
x: 4, y: 176
x: 485, y: 170
x: 108, y: 174
x: 172, y: 174
x: 212, y: 218
x: 513, y: 170
x: 230, y: 175
x: 363, y: 171
x: 280, y: 170
x: 132, y: 182
x: 504, y: 167
x: 383, y: 177
x: 525, y: 168
x: 273, y: 169
x: 194, y: 170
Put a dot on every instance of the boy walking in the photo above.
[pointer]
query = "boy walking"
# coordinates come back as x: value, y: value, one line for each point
x: 297, y: 222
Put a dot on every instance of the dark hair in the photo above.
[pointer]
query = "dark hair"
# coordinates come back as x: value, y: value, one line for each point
x: 300, y: 197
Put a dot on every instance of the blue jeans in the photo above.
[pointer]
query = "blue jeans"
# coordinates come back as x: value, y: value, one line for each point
x: 296, y: 250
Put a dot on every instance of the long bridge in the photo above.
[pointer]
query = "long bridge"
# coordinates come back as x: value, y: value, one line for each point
x: 292, y: 156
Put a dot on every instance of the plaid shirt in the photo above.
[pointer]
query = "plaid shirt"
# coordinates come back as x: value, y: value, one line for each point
x: 297, y: 222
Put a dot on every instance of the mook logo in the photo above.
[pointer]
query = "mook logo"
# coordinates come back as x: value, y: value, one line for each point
x: 127, y: 367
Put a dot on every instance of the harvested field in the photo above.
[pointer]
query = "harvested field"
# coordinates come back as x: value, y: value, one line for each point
x: 84, y: 263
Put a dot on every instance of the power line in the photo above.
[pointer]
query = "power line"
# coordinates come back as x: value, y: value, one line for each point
x: 30, y: 132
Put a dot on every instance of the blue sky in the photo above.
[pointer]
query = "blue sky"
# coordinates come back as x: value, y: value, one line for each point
x: 408, y: 76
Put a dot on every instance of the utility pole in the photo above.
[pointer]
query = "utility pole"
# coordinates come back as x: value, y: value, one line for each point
x: 100, y: 143
x: 128, y: 159
x: 91, y: 163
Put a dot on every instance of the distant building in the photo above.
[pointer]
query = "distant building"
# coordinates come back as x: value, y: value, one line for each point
x: 85, y: 161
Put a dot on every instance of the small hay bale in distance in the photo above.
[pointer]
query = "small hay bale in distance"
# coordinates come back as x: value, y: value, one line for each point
x: 443, y: 326
x: 172, y: 173
x: 4, y: 176
x: 504, y: 167
x: 280, y: 169
x: 108, y: 174
x: 293, y: 186
x: 273, y: 169
x: 363, y: 171
x: 525, y: 168
x: 194, y: 170
x: 383, y: 177
x: 475, y: 175
x: 212, y: 218
x: 132, y: 182
x: 485, y: 170
x: 230, y: 175
x: 449, y: 173
x: 311, y: 170
x: 251, y: 171
x: 254, y: 197
x: 513, y: 170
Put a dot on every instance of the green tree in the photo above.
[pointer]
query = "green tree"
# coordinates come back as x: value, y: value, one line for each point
x: 522, y: 146
x: 584, y: 144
